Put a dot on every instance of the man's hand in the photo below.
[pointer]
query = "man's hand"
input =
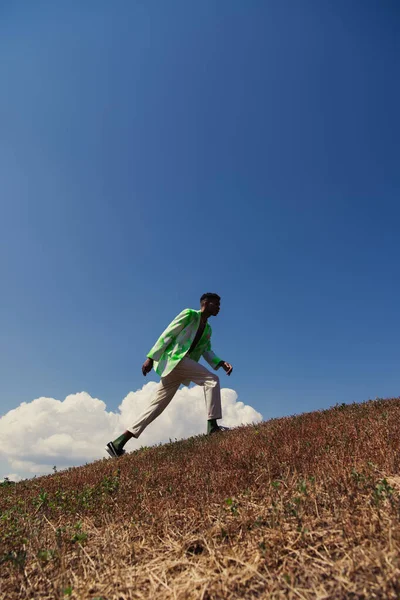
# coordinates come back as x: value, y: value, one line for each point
x: 147, y: 366
x: 226, y: 367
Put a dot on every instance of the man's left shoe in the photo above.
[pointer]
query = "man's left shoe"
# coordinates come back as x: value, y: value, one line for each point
x: 113, y: 450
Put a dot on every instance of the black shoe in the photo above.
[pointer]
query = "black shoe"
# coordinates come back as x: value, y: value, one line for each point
x: 113, y: 450
x: 218, y: 428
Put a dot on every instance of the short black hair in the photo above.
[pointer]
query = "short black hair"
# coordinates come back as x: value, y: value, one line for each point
x: 209, y: 296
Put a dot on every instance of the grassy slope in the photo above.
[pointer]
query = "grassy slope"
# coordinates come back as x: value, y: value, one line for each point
x: 299, y: 507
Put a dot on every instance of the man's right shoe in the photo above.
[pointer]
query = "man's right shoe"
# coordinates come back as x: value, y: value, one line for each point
x: 218, y: 428
x: 113, y: 451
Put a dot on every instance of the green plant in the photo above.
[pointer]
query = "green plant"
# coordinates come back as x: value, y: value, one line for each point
x: 382, y: 490
x: 46, y: 555
x: 79, y: 536
x: 232, y: 505
x: 68, y: 590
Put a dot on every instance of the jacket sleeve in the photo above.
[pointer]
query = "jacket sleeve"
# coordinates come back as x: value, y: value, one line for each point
x: 173, y: 329
x: 210, y: 356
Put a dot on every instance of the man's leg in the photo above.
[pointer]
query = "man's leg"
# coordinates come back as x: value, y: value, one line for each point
x: 190, y: 369
x: 167, y: 388
x: 165, y: 392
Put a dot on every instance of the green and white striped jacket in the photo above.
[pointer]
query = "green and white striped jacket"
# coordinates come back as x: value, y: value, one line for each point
x: 174, y: 343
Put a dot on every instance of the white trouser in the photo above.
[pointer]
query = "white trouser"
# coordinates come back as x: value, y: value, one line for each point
x: 186, y: 369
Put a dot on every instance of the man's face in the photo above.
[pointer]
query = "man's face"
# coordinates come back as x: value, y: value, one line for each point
x: 213, y: 306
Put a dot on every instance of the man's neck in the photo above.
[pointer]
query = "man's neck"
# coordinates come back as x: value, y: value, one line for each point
x: 203, y: 316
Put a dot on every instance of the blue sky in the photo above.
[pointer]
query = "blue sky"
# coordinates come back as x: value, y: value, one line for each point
x: 152, y: 151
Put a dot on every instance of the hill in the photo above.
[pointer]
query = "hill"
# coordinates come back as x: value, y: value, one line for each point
x: 300, y: 507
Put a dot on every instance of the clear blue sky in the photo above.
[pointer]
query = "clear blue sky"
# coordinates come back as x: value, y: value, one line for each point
x: 152, y: 151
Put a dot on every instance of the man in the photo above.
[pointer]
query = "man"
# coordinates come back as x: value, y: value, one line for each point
x: 175, y: 358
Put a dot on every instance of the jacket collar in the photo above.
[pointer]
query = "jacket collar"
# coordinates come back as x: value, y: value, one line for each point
x: 199, y: 315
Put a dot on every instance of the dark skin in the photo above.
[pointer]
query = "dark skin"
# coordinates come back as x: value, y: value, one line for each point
x: 209, y: 308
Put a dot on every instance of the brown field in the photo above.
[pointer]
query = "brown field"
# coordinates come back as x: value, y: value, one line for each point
x: 299, y: 507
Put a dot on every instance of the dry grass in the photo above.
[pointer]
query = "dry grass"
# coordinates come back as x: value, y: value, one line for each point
x: 299, y: 508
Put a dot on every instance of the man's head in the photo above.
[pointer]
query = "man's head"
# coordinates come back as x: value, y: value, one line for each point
x: 210, y: 304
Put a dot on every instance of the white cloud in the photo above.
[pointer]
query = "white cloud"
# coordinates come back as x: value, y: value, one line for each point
x: 44, y: 433
x: 11, y: 477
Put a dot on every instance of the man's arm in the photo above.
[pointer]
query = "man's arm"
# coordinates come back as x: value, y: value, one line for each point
x: 227, y: 367
x: 214, y: 361
x: 173, y: 329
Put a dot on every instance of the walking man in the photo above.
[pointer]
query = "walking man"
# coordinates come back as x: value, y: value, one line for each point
x: 175, y: 358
